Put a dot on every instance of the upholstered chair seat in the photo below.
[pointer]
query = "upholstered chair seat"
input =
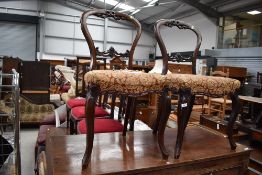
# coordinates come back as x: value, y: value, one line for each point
x: 204, y: 85
x: 101, y: 126
x: 78, y: 112
x: 75, y: 102
x: 126, y: 81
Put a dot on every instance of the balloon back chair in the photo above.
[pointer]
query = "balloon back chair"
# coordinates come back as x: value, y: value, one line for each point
x: 129, y: 83
x: 188, y: 85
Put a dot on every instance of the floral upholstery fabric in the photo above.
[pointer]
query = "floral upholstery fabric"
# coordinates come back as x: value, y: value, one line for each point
x: 126, y: 81
x: 32, y: 112
x: 134, y: 82
x: 29, y: 112
x: 207, y: 85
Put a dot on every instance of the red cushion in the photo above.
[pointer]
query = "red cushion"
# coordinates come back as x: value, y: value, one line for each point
x: 101, y: 126
x: 76, y: 102
x: 79, y: 112
x: 42, y: 133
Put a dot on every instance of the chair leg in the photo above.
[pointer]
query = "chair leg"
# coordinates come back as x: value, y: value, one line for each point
x: 160, y: 102
x: 185, y: 105
x: 105, y: 99
x: 163, y: 118
x: 91, y: 97
x: 71, y: 126
x: 232, y: 119
x: 67, y: 116
x: 113, y: 106
x: 122, y: 98
x: 127, y: 114
x: 209, y: 106
x: 133, y: 114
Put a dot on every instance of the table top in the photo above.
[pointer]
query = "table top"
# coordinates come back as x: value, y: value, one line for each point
x: 251, y: 99
x: 138, y: 151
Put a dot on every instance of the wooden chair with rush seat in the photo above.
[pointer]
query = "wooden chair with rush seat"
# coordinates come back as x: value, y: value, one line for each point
x: 130, y: 84
x: 219, y: 105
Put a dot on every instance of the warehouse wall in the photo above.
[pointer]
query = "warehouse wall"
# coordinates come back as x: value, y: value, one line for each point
x: 185, y: 40
x: 60, y: 34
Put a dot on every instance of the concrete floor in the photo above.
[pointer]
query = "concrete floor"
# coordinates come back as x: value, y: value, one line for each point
x: 28, y: 140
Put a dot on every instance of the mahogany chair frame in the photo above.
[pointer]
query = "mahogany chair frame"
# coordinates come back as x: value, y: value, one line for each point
x: 186, y: 97
x: 94, y: 90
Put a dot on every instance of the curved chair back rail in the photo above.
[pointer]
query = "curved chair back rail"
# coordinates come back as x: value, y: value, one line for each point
x: 112, y: 15
x: 179, y: 25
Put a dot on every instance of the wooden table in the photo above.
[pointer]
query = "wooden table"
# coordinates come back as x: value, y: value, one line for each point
x: 203, y: 153
x: 256, y: 111
x: 251, y: 99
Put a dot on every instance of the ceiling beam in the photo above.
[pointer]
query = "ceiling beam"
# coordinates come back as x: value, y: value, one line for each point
x: 244, y: 8
x: 206, y: 10
x: 162, y: 13
x: 83, y: 7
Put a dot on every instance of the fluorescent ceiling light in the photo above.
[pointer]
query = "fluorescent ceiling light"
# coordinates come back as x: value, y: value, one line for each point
x: 126, y: 7
x: 254, y: 12
x: 151, y: 1
x: 120, y: 5
x: 110, y: 2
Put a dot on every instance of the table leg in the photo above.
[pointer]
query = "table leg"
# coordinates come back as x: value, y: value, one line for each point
x: 185, y: 105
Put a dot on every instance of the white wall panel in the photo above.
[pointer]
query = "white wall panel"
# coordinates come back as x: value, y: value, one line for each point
x: 179, y: 40
x: 81, y: 48
x: 114, y: 23
x: 18, y: 40
x: 142, y: 53
x: 95, y: 20
x: 97, y: 32
x: 59, y: 28
x: 61, y: 33
x: 58, y: 46
x: 50, y: 16
x: 57, y: 8
x: 145, y: 39
x: 121, y: 48
x: 119, y: 35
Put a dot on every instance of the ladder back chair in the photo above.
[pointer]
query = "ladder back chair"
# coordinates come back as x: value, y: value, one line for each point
x: 188, y: 85
x: 121, y: 82
x: 219, y: 105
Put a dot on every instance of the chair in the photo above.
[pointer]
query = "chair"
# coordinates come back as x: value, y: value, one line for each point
x: 129, y: 83
x: 219, y: 105
x: 188, y: 86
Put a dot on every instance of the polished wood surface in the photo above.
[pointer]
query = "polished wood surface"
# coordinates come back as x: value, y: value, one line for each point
x: 251, y: 99
x: 234, y: 72
x: 203, y: 152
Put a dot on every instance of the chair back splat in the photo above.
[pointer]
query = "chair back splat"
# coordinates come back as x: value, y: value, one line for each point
x: 126, y: 83
x: 179, y: 25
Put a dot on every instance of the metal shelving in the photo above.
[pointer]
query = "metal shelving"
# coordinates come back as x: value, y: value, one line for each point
x: 10, y: 160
